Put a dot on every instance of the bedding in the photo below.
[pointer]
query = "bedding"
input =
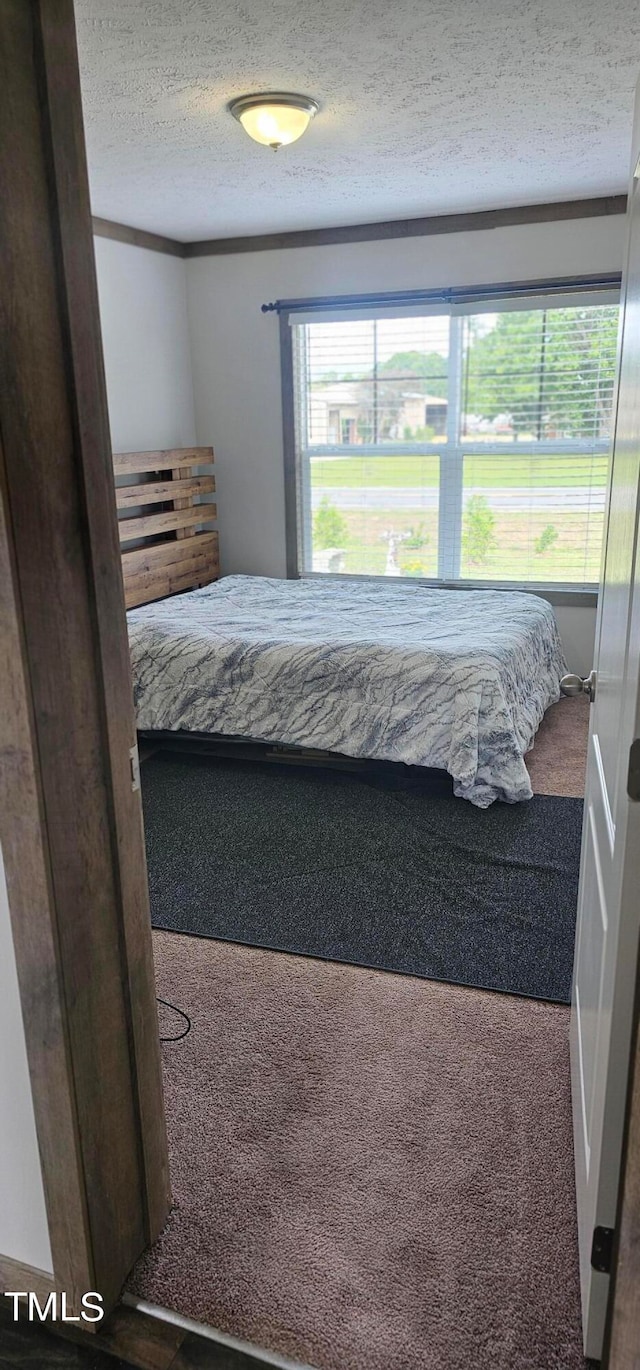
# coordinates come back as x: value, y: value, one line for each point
x: 454, y: 679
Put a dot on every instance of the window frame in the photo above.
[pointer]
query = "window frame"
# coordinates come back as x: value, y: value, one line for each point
x: 451, y: 454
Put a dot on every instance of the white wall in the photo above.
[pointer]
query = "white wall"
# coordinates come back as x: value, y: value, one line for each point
x: 143, y: 311
x: 24, y: 1231
x: 236, y: 360
x: 577, y: 629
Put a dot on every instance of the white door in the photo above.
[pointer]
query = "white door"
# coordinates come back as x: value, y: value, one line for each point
x: 609, y: 899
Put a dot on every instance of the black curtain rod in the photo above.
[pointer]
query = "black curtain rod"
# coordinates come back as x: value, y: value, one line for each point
x: 512, y: 289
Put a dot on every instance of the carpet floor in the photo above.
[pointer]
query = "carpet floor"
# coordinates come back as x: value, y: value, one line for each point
x: 557, y: 762
x: 373, y: 869
x: 370, y: 1171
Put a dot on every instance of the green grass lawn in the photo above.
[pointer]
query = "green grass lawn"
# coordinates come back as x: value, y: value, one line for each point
x: 511, y: 556
x: 488, y: 472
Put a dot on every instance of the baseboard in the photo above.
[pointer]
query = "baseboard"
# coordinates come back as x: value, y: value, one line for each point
x: 16, y: 1276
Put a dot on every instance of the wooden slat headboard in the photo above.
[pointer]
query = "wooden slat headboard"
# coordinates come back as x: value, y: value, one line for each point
x: 175, y: 555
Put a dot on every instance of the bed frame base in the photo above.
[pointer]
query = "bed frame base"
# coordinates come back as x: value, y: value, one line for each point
x: 252, y: 749
x: 248, y: 749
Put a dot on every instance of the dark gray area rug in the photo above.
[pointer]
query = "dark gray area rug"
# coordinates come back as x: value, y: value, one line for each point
x: 383, y: 868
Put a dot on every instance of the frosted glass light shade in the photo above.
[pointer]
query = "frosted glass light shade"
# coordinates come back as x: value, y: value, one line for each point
x: 274, y: 119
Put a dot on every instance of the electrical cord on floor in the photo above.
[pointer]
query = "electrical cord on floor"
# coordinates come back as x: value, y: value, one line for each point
x: 184, y: 1015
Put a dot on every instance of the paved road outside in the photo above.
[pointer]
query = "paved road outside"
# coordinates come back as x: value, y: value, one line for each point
x: 563, y: 499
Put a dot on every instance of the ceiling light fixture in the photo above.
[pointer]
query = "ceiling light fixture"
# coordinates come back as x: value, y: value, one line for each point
x: 275, y: 118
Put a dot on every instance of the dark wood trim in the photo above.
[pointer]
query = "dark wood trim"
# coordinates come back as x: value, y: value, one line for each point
x: 29, y: 884
x: 138, y: 237
x: 476, y: 221
x: 427, y: 226
x: 72, y: 826
x: 69, y: 176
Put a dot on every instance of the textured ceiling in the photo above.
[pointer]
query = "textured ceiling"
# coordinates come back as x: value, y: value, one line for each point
x: 427, y: 107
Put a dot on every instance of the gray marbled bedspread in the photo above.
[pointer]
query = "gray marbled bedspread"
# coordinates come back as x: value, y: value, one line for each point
x: 457, y: 679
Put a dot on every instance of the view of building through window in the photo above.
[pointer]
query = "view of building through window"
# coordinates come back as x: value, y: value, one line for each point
x: 469, y: 445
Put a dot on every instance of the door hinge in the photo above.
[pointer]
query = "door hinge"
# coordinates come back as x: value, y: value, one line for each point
x: 633, y: 774
x: 134, y: 761
x: 602, y: 1249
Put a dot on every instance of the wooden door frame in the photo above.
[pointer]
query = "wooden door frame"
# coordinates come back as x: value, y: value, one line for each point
x: 70, y: 812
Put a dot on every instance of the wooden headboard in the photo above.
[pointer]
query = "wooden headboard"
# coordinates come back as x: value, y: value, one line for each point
x: 177, y: 556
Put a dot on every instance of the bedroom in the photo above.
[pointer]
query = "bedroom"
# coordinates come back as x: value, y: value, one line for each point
x: 372, y: 444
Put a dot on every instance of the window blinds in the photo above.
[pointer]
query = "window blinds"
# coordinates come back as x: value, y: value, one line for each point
x: 456, y: 443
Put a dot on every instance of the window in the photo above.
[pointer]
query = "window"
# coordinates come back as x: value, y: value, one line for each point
x: 456, y: 442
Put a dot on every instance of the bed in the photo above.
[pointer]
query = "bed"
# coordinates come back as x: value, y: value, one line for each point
x: 453, y: 679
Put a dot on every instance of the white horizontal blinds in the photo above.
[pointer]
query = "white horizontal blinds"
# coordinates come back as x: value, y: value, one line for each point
x: 375, y: 425
x: 460, y: 442
x: 535, y: 415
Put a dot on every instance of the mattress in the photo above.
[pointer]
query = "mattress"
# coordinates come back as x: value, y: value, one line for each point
x: 454, y: 679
